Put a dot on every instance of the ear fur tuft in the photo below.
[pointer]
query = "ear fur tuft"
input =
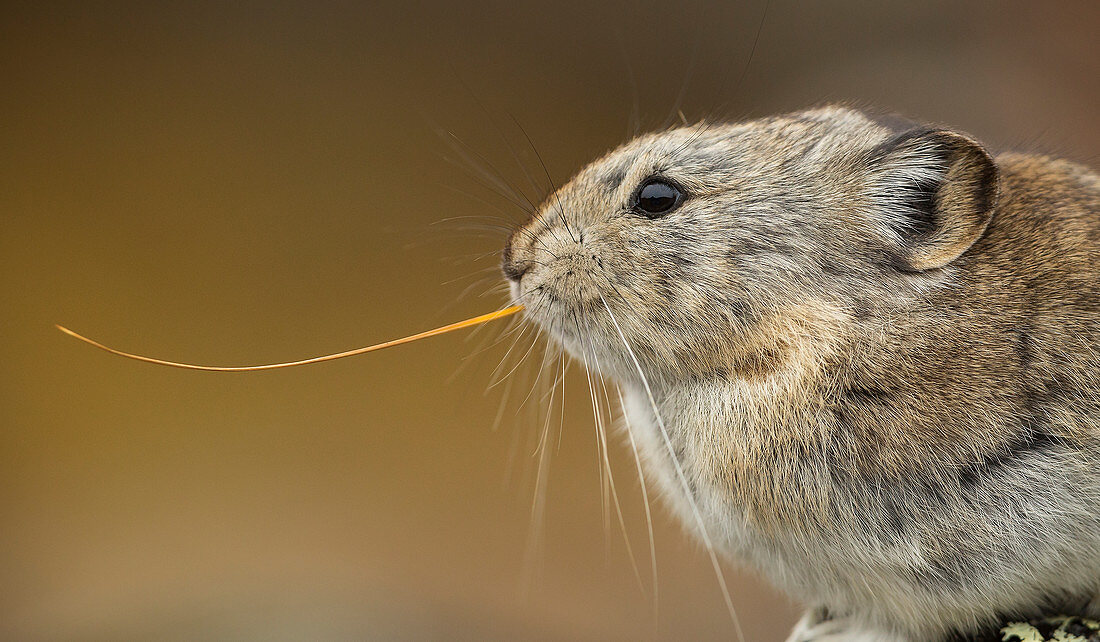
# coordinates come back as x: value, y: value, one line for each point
x: 937, y: 189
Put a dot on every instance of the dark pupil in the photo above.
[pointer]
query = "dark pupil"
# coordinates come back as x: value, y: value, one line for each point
x: 657, y: 197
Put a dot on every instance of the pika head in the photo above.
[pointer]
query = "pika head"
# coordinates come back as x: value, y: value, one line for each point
x: 714, y: 246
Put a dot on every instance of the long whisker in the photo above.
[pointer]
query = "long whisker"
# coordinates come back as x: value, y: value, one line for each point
x: 680, y: 475
x: 487, y: 181
x: 684, y: 85
x: 546, y: 357
x: 500, y: 133
x: 507, y: 229
x: 752, y: 52
x: 561, y: 420
x: 744, y: 71
x: 634, y: 126
x: 486, y: 342
x: 494, y: 379
x: 604, y: 503
x: 545, y: 433
x: 486, y: 278
x: 467, y: 151
x: 538, y: 505
x: 499, y: 417
x: 549, y: 354
x: 645, y: 501
x: 602, y: 427
x: 553, y: 188
x: 519, y: 363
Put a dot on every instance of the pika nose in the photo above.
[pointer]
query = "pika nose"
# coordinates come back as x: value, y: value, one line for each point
x: 513, y: 269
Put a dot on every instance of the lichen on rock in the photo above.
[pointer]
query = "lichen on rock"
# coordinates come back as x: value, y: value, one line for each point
x: 1060, y: 628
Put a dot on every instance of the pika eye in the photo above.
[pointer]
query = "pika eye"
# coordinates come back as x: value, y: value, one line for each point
x: 658, y: 197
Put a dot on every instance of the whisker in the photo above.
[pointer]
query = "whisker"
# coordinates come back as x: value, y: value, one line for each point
x: 515, y: 341
x: 684, y: 85
x: 680, y: 475
x: 752, y: 52
x: 553, y: 188
x: 744, y: 72
x: 470, y: 288
x: 508, y: 229
x: 534, y: 342
x: 488, y: 341
x: 545, y: 433
x: 516, y: 331
x: 503, y: 403
x: 645, y: 502
x: 635, y: 121
x: 499, y: 131
x: 450, y: 220
x: 513, y: 445
x: 601, y: 426
x: 488, y: 183
x: 513, y: 450
x: 545, y: 358
x: 466, y: 150
x: 561, y: 422
x: 599, y: 444
x: 538, y: 505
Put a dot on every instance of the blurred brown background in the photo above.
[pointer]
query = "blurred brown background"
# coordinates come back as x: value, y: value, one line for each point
x: 241, y: 183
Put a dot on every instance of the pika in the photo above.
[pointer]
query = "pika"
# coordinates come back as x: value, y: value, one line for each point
x: 858, y: 356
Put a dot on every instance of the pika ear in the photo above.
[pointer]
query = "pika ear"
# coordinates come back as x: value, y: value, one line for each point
x: 937, y: 190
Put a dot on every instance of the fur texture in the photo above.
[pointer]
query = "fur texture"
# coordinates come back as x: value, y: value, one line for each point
x: 865, y: 358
